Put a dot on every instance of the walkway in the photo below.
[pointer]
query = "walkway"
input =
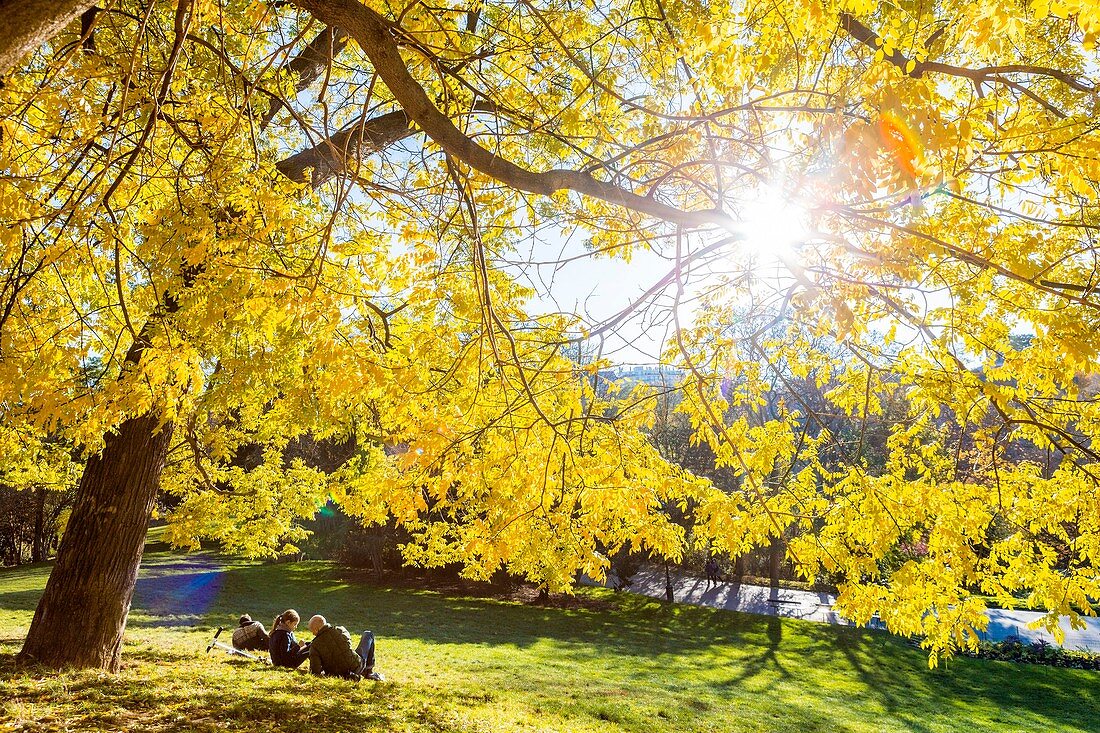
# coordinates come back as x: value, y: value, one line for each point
x: 810, y: 606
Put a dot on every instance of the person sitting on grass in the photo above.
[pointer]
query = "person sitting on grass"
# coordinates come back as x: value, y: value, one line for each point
x: 286, y: 651
x: 250, y: 636
x: 331, y: 653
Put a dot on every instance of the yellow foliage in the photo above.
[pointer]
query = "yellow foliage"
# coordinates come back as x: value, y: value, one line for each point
x: 941, y: 301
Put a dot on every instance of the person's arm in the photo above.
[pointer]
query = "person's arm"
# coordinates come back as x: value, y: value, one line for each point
x: 315, y: 666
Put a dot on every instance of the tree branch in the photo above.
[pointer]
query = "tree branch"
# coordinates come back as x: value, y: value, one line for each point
x: 375, y: 35
x: 329, y: 157
x: 857, y: 30
x: 309, y: 64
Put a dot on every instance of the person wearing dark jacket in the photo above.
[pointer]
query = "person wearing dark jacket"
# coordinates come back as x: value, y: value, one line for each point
x: 331, y: 654
x: 286, y: 651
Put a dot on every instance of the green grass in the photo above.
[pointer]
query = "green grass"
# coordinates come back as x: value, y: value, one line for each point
x: 621, y: 663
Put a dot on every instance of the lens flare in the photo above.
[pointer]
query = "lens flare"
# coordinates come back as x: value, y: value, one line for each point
x: 901, y: 142
x: 190, y: 593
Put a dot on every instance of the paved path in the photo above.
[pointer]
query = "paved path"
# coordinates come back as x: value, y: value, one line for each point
x: 811, y: 606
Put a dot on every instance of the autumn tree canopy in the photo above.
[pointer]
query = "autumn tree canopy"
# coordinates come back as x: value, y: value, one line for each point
x: 228, y: 223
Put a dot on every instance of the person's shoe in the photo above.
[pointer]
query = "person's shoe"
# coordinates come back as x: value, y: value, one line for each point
x: 376, y: 676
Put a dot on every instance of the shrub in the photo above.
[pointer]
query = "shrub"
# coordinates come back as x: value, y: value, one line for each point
x: 1014, y: 649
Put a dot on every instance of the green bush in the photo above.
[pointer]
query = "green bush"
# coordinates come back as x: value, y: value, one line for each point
x: 1015, y: 649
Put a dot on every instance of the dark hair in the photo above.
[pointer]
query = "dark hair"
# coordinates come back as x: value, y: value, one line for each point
x: 288, y: 615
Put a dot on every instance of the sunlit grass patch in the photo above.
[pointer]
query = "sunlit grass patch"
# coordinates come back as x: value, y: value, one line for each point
x: 464, y: 664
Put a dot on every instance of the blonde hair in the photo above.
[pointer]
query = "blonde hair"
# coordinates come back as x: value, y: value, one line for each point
x: 286, y: 617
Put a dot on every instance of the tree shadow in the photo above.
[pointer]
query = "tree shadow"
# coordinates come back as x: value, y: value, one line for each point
x: 641, y: 638
x: 768, y: 657
x: 96, y: 702
x: 20, y: 600
x: 902, y: 683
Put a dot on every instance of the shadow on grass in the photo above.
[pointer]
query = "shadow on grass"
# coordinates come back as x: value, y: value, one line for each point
x: 636, y: 638
x: 646, y: 636
x: 1022, y: 697
x: 20, y: 600
x: 238, y: 696
x: 767, y: 657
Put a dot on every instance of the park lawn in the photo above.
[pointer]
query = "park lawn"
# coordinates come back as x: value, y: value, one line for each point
x: 614, y: 662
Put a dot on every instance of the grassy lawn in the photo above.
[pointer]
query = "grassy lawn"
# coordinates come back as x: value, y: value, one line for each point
x: 619, y: 663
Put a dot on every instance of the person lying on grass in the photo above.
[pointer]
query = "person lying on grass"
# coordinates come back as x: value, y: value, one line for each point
x: 250, y: 636
x: 331, y: 654
x: 286, y: 651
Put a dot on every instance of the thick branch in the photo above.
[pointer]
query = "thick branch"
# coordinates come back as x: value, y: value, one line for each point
x: 854, y: 28
x: 27, y: 24
x: 87, y: 28
x: 330, y: 157
x: 375, y: 35
x: 309, y: 64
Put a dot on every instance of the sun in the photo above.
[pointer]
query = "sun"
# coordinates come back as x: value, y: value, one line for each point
x: 772, y: 224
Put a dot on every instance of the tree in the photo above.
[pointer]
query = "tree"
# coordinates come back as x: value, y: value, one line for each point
x: 37, y: 477
x: 343, y: 262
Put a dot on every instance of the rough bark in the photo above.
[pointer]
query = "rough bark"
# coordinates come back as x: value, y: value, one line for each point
x: 81, y: 616
x: 330, y: 157
x: 27, y: 24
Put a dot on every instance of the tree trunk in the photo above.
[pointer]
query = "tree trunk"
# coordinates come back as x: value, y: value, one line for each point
x: 26, y: 24
x: 81, y: 616
x: 38, y: 542
x: 775, y: 558
x: 739, y: 568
